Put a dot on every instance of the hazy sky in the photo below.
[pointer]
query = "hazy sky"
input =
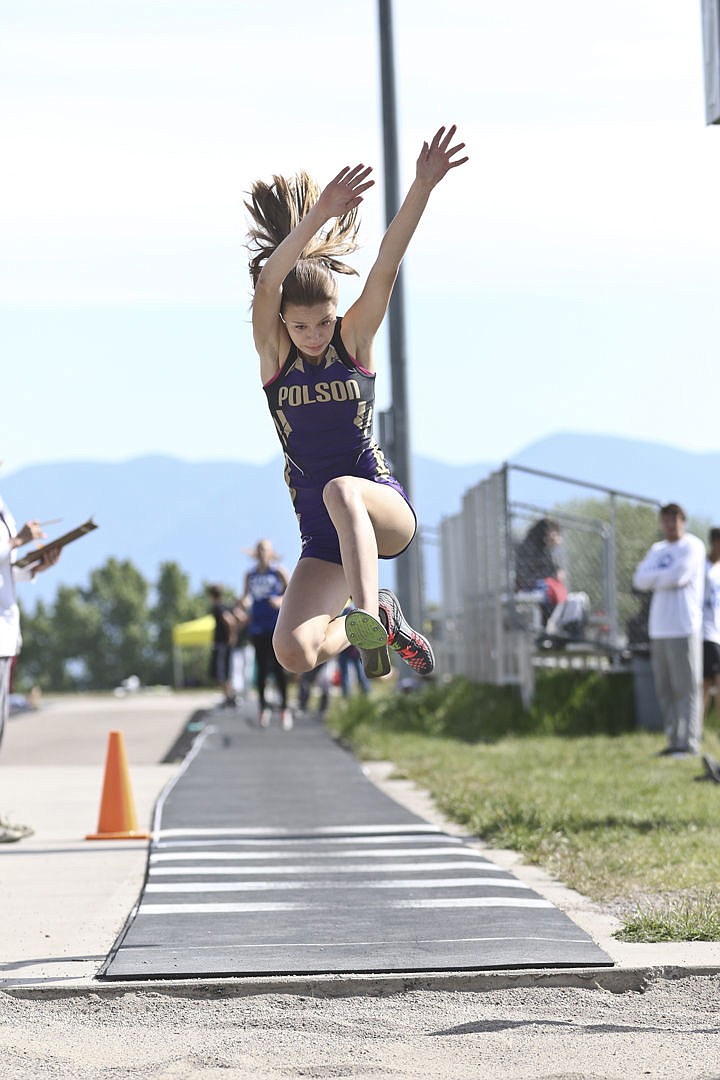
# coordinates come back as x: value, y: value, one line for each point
x: 567, y: 278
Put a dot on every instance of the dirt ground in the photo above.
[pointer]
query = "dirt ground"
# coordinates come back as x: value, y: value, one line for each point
x: 668, y: 1030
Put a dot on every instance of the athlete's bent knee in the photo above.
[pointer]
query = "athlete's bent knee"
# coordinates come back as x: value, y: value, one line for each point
x: 293, y: 655
x: 341, y: 494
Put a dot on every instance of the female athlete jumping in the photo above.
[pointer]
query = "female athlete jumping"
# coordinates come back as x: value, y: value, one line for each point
x: 317, y: 371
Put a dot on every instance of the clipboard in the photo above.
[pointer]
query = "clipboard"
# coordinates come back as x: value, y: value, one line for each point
x: 67, y: 538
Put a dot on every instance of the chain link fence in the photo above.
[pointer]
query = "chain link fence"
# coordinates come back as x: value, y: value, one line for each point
x: 536, y: 568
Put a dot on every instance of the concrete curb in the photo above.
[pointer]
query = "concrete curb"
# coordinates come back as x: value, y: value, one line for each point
x: 610, y: 980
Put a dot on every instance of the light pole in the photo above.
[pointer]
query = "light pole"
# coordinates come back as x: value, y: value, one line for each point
x: 711, y: 55
x: 395, y: 427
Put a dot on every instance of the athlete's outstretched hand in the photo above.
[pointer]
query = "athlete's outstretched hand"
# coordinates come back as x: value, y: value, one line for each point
x: 344, y: 192
x: 436, y: 159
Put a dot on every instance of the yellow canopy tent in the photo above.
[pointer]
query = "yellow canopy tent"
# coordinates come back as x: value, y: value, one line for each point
x: 196, y: 634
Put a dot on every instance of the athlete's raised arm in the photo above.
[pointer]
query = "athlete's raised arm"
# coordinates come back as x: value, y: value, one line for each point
x: 363, y: 319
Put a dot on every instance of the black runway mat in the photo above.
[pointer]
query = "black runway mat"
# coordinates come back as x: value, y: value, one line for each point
x: 273, y: 853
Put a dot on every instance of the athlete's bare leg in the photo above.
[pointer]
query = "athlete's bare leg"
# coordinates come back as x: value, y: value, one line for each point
x: 370, y: 519
x: 308, y: 630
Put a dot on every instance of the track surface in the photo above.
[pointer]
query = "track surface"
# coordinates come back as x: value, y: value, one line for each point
x: 274, y: 854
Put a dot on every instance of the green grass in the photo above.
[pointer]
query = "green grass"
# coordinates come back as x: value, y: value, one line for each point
x: 693, y: 918
x: 571, y: 785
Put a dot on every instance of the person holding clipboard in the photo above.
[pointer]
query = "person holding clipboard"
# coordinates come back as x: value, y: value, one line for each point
x: 11, y: 539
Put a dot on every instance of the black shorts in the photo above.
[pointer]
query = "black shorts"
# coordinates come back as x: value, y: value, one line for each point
x: 711, y: 659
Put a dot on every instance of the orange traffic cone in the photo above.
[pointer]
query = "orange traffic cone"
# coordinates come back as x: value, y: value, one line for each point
x: 118, y: 820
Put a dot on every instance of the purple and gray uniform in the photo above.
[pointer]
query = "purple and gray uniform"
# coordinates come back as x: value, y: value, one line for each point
x: 323, y: 414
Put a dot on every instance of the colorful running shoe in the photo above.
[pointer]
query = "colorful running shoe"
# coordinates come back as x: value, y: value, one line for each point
x: 411, y: 646
x: 370, y: 638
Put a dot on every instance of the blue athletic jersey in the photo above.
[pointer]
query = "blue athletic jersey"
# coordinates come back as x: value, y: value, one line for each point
x: 323, y: 414
x: 261, y: 585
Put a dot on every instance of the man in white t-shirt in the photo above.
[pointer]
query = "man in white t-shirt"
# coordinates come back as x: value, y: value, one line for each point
x: 674, y: 572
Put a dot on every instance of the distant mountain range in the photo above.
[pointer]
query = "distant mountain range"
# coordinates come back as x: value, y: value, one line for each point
x: 653, y: 470
x: 205, y: 515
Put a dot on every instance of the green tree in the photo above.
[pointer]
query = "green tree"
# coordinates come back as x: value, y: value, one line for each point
x: 118, y: 594
x: 174, y: 603
x: 37, y: 665
x: 636, y: 528
x: 76, y: 626
x: 95, y: 637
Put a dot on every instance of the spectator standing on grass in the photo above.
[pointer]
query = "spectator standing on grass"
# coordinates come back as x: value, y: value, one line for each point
x: 711, y: 624
x: 674, y: 572
x: 12, y: 538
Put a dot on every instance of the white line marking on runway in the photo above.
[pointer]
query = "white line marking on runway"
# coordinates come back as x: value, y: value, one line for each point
x: 240, y: 908
x: 319, y: 830
x: 380, y: 853
x: 322, y: 841
x: 323, y: 868
x: 472, y: 901
x: 161, y: 951
x: 292, y: 886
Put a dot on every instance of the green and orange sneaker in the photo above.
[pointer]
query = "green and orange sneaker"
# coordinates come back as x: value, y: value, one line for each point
x: 411, y: 646
x: 370, y: 638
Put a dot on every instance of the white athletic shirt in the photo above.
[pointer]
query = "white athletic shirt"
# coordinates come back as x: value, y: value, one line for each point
x: 711, y: 607
x: 674, y: 572
x: 9, y: 613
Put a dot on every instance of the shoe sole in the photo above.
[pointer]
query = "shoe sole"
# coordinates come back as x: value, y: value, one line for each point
x: 369, y: 637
